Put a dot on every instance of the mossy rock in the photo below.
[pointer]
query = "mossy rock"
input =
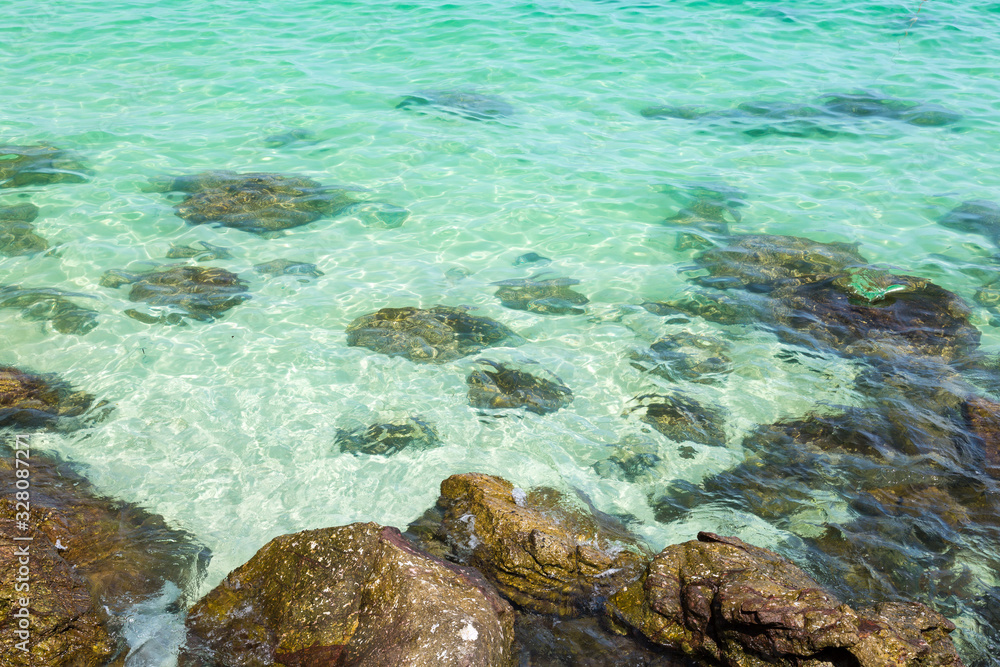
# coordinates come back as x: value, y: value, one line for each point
x: 435, y: 335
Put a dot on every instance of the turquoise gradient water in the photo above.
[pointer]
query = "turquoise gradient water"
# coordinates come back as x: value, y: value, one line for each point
x: 227, y: 428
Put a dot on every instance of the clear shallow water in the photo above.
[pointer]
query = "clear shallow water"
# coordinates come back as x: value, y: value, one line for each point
x: 227, y: 428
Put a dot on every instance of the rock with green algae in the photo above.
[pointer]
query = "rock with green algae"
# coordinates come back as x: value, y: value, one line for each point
x: 436, y: 335
x: 29, y: 400
x: 542, y: 552
x: 202, y: 293
x: 92, y: 559
x: 506, y: 387
x: 721, y: 600
x: 351, y: 595
x: 39, y: 165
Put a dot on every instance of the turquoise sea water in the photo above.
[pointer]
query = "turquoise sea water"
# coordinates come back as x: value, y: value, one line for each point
x: 227, y: 428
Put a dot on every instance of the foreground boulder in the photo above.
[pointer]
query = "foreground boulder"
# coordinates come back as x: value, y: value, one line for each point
x: 723, y: 600
x: 540, y: 551
x: 351, y: 595
x: 91, y: 559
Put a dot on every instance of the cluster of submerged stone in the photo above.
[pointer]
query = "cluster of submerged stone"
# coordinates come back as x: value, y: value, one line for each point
x: 493, y: 575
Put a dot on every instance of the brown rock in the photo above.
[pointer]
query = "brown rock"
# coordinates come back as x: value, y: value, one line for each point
x: 721, y: 599
x: 541, y: 553
x: 352, y: 595
x: 28, y: 400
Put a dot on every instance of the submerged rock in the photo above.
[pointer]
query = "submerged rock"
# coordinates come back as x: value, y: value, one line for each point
x: 686, y: 356
x: 552, y: 296
x: 872, y: 104
x: 352, y: 595
x: 207, y: 252
x: 435, y: 335
x: 387, y: 438
x: 28, y: 400
x: 286, y: 267
x: 541, y: 552
x: 50, y: 305
x: 93, y: 559
x: 255, y: 202
x: 505, y: 387
x: 531, y: 258
x: 763, y: 262
x: 707, y: 209
x: 681, y: 418
x: 975, y: 217
x: 202, y: 293
x: 631, y: 459
x: 300, y: 136
x: 17, y: 234
x: 722, y: 600
x: 38, y: 165
x: 474, y: 106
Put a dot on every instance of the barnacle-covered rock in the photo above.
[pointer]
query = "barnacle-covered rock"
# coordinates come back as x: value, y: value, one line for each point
x: 200, y: 292
x: 505, y: 387
x: 39, y: 165
x: 435, y: 335
x: 388, y: 437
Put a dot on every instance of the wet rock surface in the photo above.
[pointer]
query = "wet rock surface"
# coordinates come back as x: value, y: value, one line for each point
x: 92, y: 559
x: 473, y: 106
x: 50, y: 305
x: 17, y: 234
x: 681, y: 418
x: 542, y: 552
x: 29, y: 400
x: 39, y: 165
x: 358, y: 594
x: 388, y: 438
x: 722, y: 600
x: 685, y: 356
x: 552, y: 296
x: 254, y: 202
x: 506, y: 387
x: 199, y: 292
x: 436, y: 335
